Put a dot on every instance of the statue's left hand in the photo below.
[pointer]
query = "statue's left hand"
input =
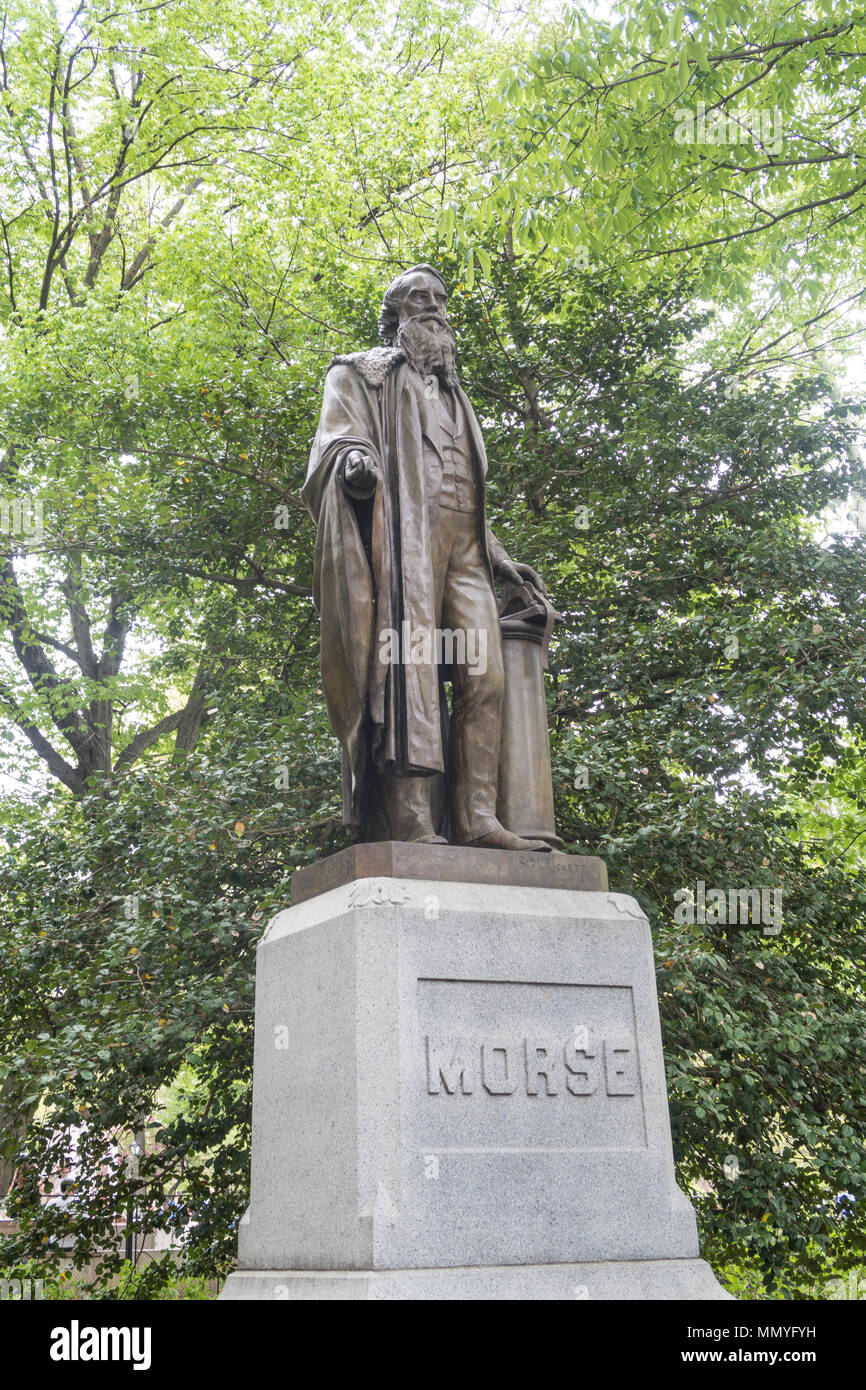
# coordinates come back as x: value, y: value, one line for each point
x: 508, y: 570
x: 530, y: 576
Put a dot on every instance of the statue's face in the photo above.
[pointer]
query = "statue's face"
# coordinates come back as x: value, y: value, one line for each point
x: 423, y: 330
x: 421, y: 293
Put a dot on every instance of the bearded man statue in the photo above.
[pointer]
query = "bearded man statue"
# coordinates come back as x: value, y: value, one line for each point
x: 405, y: 564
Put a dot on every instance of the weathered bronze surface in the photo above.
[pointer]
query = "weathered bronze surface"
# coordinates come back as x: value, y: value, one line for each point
x: 446, y: 864
x: 404, y: 584
x: 525, y: 785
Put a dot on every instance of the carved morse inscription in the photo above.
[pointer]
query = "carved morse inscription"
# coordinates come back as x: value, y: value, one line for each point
x: 527, y: 1064
x: 533, y: 1066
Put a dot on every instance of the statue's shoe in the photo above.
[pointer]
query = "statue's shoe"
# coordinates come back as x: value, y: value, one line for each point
x: 428, y: 840
x: 505, y: 839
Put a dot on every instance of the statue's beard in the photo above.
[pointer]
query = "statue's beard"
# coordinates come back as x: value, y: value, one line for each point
x: 428, y: 343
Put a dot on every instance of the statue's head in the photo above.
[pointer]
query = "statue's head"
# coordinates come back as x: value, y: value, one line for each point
x: 414, y: 318
x: 416, y: 291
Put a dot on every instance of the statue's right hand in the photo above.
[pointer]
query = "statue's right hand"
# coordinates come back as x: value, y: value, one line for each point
x: 360, y: 474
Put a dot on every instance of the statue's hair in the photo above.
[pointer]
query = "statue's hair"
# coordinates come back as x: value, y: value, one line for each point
x: 390, y: 314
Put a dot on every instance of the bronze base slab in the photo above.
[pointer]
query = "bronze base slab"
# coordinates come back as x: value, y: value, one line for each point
x: 449, y: 864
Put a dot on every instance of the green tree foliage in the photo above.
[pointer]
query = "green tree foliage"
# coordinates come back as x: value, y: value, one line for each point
x: 726, y: 138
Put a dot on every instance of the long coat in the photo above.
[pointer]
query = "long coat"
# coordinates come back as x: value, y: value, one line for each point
x: 373, y: 567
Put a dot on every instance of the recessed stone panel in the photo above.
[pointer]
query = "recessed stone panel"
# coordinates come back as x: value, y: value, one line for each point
x: 503, y: 1064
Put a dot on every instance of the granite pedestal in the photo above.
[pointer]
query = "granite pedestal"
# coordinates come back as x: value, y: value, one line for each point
x: 459, y: 1093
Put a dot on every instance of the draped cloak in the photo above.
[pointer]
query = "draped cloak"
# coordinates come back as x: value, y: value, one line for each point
x: 373, y: 567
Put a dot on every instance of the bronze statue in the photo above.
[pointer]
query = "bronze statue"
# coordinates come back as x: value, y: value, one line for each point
x: 404, y: 569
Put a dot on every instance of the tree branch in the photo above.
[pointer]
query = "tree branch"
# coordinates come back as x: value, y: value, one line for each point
x: 39, y: 668
x: 49, y: 755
